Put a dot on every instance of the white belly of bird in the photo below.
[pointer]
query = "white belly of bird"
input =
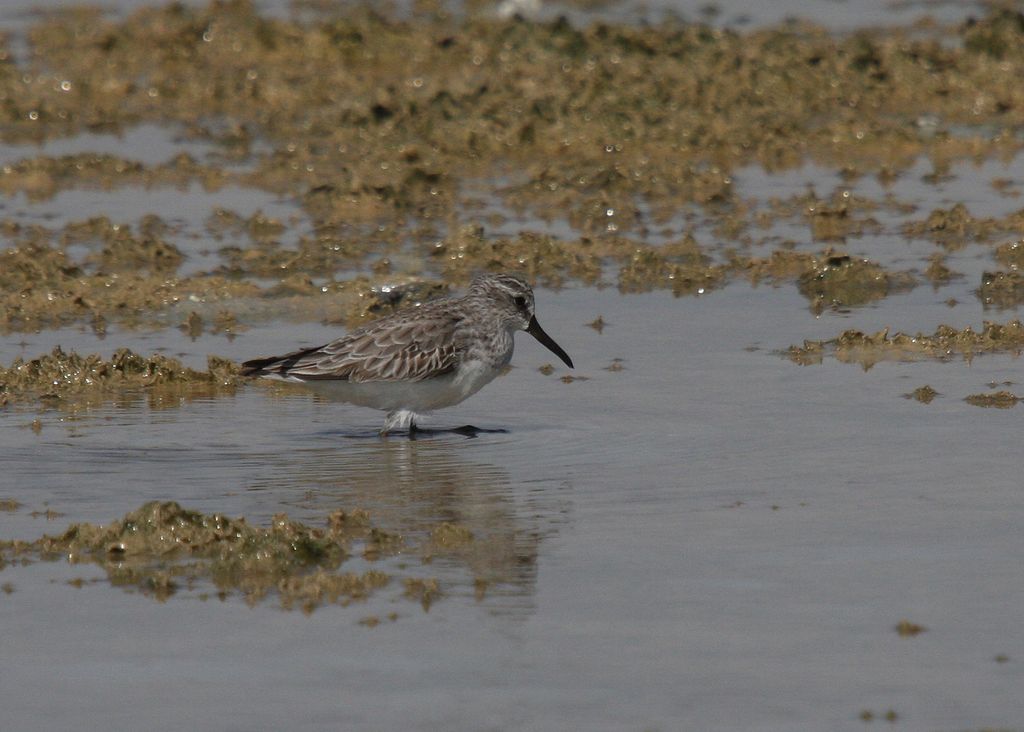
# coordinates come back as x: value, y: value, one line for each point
x: 415, y: 396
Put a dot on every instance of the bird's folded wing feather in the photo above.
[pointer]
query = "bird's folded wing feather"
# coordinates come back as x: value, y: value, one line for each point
x: 403, y: 350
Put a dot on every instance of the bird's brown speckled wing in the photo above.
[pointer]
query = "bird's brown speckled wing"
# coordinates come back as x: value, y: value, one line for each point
x: 412, y: 346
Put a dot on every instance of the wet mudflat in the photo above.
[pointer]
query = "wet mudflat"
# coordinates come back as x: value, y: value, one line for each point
x: 779, y: 491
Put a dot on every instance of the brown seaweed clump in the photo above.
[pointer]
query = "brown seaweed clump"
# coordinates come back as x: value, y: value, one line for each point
x: 595, y: 116
x: 1001, y: 290
x: 843, y: 281
x: 854, y: 346
x: 951, y: 228
x: 385, y: 128
x: 955, y: 228
x: 41, y: 177
x: 162, y: 547
x: 835, y: 221
x: 780, y: 266
x: 657, y: 268
x: 67, y: 376
x: 924, y: 394
x: 1011, y: 254
x: 828, y: 279
x: 908, y: 629
x: 997, y: 399
x: 938, y: 272
x: 132, y: 277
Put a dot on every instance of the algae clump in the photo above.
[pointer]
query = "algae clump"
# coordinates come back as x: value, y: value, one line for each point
x: 66, y: 376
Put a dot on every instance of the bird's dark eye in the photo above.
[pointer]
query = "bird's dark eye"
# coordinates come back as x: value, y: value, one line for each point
x: 520, y: 302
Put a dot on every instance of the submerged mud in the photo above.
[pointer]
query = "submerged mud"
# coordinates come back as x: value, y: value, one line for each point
x: 162, y: 549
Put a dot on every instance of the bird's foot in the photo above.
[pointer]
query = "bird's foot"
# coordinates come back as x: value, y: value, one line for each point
x: 472, y: 431
x: 403, y: 419
x: 466, y: 431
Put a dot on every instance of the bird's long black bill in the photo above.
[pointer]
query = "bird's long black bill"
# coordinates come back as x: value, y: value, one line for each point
x: 537, y: 332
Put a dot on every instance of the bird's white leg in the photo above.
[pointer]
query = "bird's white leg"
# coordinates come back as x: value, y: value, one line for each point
x: 399, y: 419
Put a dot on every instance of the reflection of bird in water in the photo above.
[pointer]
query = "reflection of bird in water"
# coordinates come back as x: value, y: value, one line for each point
x: 413, y: 488
x: 420, y: 358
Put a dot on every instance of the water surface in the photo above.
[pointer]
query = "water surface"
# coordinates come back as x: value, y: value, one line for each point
x: 703, y: 536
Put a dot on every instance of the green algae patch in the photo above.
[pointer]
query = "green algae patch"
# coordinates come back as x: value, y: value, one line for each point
x: 162, y: 548
x: 854, y: 346
x: 165, y: 529
x: 60, y: 376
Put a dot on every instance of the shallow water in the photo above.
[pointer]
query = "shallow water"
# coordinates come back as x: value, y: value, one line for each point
x: 712, y: 537
x: 842, y: 16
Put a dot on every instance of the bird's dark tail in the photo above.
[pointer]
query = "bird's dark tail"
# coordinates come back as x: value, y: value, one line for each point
x: 274, y: 364
x: 257, y: 366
